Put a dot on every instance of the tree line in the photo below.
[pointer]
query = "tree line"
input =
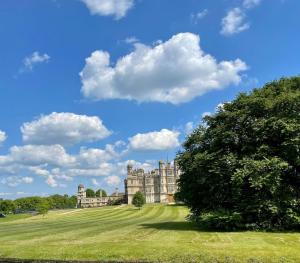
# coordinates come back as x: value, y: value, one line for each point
x: 38, y: 204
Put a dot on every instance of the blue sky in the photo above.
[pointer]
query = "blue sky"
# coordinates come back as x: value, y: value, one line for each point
x: 88, y: 86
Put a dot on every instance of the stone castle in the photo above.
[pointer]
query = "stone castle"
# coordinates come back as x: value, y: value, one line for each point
x: 158, y: 186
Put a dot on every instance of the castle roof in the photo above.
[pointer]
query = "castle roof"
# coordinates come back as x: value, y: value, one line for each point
x: 81, y: 186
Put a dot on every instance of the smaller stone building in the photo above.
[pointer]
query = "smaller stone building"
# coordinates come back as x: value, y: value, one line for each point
x: 85, y: 202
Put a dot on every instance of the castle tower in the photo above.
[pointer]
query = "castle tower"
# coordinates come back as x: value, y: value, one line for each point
x: 162, y: 168
x: 129, y: 169
x: 81, y: 194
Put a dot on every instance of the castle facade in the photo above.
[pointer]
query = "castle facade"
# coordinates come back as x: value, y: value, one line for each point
x: 158, y: 186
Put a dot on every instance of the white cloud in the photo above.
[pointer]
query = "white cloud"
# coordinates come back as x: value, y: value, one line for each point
x: 234, y: 22
x: 175, y: 71
x: 3, y: 137
x: 131, y: 40
x: 35, y: 58
x: 207, y: 113
x: 93, y: 157
x: 54, y: 155
x: 251, y: 3
x: 51, y: 181
x: 14, y: 181
x: 116, y: 8
x: 198, y: 16
x: 154, y: 141
x: 189, y: 127
x: 113, y: 180
x: 64, y: 128
x: 95, y: 182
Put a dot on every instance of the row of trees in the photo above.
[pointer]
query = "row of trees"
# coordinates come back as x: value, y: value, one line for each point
x: 241, y: 167
x: 98, y: 193
x: 39, y: 204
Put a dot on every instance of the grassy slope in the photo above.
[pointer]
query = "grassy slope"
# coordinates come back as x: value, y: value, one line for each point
x: 156, y: 232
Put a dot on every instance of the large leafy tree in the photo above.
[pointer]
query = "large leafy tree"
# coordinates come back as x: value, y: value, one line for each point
x: 43, y: 207
x: 103, y: 193
x: 245, y: 158
x: 7, y: 206
x: 90, y: 193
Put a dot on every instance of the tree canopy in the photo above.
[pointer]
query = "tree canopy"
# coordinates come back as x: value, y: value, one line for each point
x: 104, y: 194
x: 244, y: 160
x: 138, y: 199
x: 32, y: 203
x: 43, y: 207
x: 90, y: 193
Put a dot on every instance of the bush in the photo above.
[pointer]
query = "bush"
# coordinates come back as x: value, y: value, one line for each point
x: 138, y: 199
x: 221, y: 221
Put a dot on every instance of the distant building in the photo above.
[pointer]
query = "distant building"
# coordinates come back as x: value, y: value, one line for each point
x: 85, y: 202
x: 158, y: 186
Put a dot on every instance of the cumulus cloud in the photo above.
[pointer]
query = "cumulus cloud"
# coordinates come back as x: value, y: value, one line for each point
x: 154, y: 141
x: 113, y: 180
x: 54, y: 155
x: 14, y: 181
x: 175, y: 71
x: 116, y: 8
x: 3, y: 137
x: 251, y: 3
x: 234, y: 22
x: 92, y: 157
x: 32, y: 60
x: 64, y: 128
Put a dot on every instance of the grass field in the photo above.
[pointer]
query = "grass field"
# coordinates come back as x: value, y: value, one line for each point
x: 155, y: 233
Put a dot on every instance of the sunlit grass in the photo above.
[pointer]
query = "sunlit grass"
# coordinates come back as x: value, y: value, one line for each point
x: 155, y: 233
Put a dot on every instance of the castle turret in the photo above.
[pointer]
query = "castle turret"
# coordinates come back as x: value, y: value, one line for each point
x: 80, y: 194
x: 129, y: 169
x: 162, y: 168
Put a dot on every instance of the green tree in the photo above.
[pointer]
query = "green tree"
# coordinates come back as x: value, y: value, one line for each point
x: 27, y: 203
x: 138, y: 199
x: 90, y: 193
x: 43, y: 207
x: 7, y: 206
x: 245, y: 159
x: 104, y: 194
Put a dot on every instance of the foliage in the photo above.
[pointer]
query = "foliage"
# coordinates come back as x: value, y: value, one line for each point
x: 43, y: 207
x: 7, y: 206
x: 104, y: 194
x: 220, y: 220
x: 62, y: 201
x: 32, y: 203
x: 26, y: 204
x: 138, y: 199
x: 90, y: 193
x: 117, y: 201
x: 245, y: 159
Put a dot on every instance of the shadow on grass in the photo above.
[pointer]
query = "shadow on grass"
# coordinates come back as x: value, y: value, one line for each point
x: 187, y: 226
x: 178, y: 226
x: 190, y: 226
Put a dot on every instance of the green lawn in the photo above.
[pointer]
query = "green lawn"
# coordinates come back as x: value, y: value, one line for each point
x: 155, y: 233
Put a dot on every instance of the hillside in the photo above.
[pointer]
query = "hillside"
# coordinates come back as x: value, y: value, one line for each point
x: 157, y: 232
